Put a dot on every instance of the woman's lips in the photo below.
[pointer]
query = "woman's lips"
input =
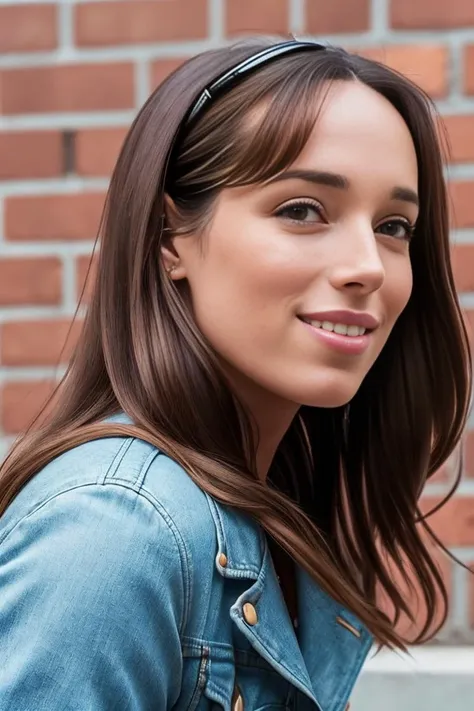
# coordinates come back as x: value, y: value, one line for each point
x: 343, y: 343
x: 343, y: 317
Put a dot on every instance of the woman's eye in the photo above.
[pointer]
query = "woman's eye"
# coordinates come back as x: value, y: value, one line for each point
x: 301, y: 212
x: 399, y: 229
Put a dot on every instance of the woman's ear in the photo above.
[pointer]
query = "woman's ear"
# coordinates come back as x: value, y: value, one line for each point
x: 171, y: 216
x: 170, y: 256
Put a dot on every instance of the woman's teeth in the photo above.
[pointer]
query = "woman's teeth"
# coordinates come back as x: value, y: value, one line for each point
x: 341, y: 328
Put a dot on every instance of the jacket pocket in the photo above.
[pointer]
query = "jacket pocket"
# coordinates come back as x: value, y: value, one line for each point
x: 239, y: 681
x: 195, y: 663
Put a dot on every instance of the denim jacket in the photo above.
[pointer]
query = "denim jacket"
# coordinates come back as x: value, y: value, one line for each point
x: 124, y: 587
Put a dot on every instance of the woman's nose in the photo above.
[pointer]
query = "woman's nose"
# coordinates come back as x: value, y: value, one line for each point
x: 358, y: 265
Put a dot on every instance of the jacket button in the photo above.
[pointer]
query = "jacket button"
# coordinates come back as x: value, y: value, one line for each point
x: 223, y: 560
x: 250, y: 614
x: 237, y: 700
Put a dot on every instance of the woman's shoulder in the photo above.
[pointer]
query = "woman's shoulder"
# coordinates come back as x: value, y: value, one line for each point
x: 95, y: 568
x: 145, y: 487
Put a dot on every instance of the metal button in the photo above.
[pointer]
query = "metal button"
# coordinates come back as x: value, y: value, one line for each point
x: 223, y: 560
x: 250, y: 614
x: 237, y: 700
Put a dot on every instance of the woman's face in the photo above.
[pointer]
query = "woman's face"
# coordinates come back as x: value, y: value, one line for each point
x: 298, y: 283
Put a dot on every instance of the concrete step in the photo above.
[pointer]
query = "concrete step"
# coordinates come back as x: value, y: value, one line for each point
x: 431, y: 679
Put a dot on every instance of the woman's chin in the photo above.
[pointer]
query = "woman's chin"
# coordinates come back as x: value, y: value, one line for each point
x: 335, y: 392
x: 331, y: 400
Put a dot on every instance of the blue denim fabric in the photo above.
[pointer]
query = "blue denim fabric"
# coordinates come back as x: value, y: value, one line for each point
x: 113, y: 598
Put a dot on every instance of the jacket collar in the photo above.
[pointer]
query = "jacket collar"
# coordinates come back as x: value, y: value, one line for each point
x: 332, y: 645
x: 324, y: 662
x: 240, y: 539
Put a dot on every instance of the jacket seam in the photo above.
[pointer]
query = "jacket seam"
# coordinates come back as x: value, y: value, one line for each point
x: 180, y: 541
x: 188, y: 642
x: 161, y: 511
x: 117, y: 459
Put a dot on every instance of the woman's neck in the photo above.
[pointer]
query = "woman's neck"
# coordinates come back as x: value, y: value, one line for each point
x: 271, y: 416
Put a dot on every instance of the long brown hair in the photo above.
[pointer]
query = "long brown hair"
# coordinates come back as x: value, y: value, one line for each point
x: 360, y: 469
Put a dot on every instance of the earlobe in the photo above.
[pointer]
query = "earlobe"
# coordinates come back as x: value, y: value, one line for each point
x: 169, y: 255
x: 176, y: 272
x: 172, y: 263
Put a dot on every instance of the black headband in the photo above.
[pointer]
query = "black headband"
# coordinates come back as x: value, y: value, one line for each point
x: 226, y: 80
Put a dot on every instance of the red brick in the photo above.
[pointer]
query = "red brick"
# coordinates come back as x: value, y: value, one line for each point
x: 454, y: 522
x: 470, y: 593
x: 460, y: 133
x: 38, y: 343
x: 462, y: 203
x: 30, y: 154
x: 53, y: 217
x: 323, y: 17
x: 441, y: 475
x: 469, y: 322
x: 71, y: 87
x: 462, y: 256
x: 97, y: 150
x: 431, y: 14
x: 30, y: 281
x: 468, y: 446
x: 426, y: 65
x: 405, y: 627
x: 247, y: 16
x: 84, y: 277
x: 469, y: 69
x: 468, y: 315
x: 27, y: 28
x: 448, y: 472
x: 162, y: 68
x: 117, y: 23
x: 21, y: 402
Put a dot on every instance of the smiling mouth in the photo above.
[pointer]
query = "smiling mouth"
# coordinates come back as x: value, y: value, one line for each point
x: 342, y: 329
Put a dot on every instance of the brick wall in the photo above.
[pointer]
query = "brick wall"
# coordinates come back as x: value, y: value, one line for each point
x: 73, y: 74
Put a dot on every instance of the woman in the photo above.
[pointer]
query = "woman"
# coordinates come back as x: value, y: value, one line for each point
x: 272, y: 364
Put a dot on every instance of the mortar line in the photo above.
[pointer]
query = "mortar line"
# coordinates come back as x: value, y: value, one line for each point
x: 69, y: 282
x: 66, y: 120
x: 379, y: 19
x: 459, y: 602
x: 2, y: 222
x: 65, y: 27
x: 297, y: 17
x: 142, y: 82
x: 216, y: 21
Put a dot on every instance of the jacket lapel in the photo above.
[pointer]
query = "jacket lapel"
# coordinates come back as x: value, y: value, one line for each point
x: 333, y: 643
x: 245, y: 547
x: 325, y: 660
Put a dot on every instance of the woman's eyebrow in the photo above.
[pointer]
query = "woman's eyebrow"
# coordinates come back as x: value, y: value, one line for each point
x: 341, y: 182
x: 333, y: 180
x: 405, y: 195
